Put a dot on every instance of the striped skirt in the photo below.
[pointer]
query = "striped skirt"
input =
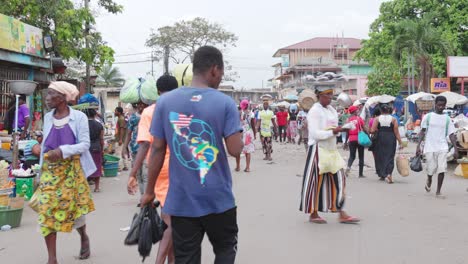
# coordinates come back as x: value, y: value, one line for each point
x: 321, y: 192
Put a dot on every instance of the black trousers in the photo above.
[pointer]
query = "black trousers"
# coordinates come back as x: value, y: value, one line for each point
x: 353, y: 146
x: 282, y: 133
x: 188, y: 233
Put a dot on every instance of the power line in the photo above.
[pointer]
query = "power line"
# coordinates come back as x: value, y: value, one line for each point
x: 127, y: 62
x: 132, y: 54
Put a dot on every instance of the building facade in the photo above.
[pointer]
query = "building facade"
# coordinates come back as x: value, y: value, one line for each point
x: 302, y: 65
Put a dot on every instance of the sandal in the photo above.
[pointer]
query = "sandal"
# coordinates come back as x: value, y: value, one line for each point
x: 350, y: 220
x: 389, y: 180
x: 85, y: 253
x: 427, y: 188
x: 317, y: 220
x: 97, y: 190
x: 247, y: 170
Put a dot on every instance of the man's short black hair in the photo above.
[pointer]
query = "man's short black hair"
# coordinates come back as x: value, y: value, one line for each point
x: 22, y: 97
x: 205, y: 58
x: 119, y: 109
x: 441, y: 98
x: 166, y: 83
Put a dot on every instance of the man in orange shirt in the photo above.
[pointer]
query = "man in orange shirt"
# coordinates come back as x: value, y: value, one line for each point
x: 165, y: 83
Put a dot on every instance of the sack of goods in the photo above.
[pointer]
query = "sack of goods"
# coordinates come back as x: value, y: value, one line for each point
x: 184, y: 74
x: 403, y: 166
x: 139, y: 90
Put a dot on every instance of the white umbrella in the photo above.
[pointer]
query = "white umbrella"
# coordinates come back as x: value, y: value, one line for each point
x: 454, y: 99
x: 420, y: 95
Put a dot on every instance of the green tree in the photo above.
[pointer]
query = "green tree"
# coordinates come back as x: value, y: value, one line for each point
x: 180, y: 41
x: 448, y: 19
x: 65, y: 22
x: 385, y: 78
x: 421, y: 40
x: 111, y: 76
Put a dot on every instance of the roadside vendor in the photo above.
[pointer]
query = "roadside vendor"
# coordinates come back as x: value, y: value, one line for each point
x: 32, y: 150
x: 23, y: 117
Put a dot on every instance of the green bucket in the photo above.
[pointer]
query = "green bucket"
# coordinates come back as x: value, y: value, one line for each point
x: 111, y: 172
x: 11, y: 217
x: 25, y: 187
x: 108, y: 157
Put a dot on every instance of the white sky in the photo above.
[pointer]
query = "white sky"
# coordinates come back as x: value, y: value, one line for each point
x: 262, y: 27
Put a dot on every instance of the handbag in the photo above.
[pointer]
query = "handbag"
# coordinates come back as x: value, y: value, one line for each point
x: 402, y: 165
x: 34, y: 201
x: 363, y: 138
x: 416, y: 163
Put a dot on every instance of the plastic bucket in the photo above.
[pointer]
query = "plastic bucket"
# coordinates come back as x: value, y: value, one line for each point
x: 111, y: 158
x: 111, y: 172
x: 25, y: 187
x: 11, y: 217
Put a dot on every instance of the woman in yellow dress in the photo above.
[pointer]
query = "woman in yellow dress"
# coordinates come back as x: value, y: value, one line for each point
x: 64, y: 194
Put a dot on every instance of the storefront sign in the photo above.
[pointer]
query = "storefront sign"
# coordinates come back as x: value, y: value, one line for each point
x: 439, y: 85
x: 20, y: 37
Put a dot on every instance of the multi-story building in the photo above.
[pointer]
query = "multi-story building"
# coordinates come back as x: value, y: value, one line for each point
x: 303, y: 63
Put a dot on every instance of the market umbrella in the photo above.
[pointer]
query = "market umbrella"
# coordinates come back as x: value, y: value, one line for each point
x: 454, y: 99
x: 421, y: 95
x: 291, y: 97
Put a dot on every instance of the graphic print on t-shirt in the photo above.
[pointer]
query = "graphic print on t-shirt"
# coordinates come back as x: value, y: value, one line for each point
x: 194, y: 143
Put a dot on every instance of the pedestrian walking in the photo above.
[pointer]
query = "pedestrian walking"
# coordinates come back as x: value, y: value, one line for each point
x: 24, y: 120
x: 248, y: 134
x: 65, y: 197
x: 324, y: 182
x: 386, y: 128
x: 96, y: 148
x: 120, y: 135
x: 266, y: 120
x: 282, y: 117
x: 291, y: 131
x: 195, y: 122
x: 436, y: 129
x: 352, y: 143
x: 131, y: 143
x: 343, y: 119
x: 164, y: 84
x: 372, y: 148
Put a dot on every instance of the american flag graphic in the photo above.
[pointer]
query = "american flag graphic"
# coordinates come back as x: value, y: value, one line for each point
x: 180, y: 120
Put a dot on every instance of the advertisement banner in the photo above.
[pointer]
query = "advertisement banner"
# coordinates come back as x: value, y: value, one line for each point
x: 20, y: 37
x: 439, y: 85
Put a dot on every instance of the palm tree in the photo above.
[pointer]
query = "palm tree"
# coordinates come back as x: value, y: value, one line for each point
x: 421, y: 40
x: 111, y: 76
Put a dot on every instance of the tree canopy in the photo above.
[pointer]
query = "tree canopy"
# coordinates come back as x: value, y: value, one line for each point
x: 425, y: 29
x: 66, y: 23
x: 182, y: 39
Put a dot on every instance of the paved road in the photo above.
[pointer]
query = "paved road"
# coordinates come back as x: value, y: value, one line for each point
x: 401, y: 223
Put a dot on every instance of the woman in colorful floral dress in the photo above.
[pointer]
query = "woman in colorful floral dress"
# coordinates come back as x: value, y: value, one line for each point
x: 64, y: 194
x: 248, y: 134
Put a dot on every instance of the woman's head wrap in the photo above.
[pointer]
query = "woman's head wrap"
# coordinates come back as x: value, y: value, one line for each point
x: 244, y: 104
x: 69, y: 90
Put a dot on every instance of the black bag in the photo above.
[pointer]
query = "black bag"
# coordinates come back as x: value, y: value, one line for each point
x: 416, y: 163
x: 147, y: 228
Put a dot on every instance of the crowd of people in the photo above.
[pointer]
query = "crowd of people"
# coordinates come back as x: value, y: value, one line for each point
x: 179, y: 148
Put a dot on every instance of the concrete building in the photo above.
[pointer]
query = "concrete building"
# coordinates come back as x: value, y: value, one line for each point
x: 302, y: 62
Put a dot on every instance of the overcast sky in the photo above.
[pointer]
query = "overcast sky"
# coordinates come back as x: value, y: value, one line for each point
x: 263, y: 26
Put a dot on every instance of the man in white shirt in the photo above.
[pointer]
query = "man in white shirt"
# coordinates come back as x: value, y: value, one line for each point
x: 437, y: 128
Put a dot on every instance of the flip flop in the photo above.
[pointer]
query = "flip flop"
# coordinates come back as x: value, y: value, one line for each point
x: 237, y: 169
x: 85, y: 253
x: 350, y: 220
x: 97, y: 190
x: 427, y: 188
x: 317, y: 220
x: 388, y: 180
x: 246, y: 170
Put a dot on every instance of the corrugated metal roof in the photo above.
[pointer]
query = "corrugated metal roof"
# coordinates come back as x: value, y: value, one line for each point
x: 322, y: 43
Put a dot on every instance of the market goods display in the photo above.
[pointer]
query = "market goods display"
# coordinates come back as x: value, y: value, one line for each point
x: 139, y: 89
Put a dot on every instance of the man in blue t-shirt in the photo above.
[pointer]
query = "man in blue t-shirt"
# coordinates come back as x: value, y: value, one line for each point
x: 193, y: 121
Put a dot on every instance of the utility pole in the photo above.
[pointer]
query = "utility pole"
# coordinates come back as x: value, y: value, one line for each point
x: 88, y: 65
x: 166, y: 59
x: 152, y: 63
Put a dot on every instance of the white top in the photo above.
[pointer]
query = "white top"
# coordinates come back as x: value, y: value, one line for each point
x: 437, y: 131
x: 319, y: 119
x: 385, y: 120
